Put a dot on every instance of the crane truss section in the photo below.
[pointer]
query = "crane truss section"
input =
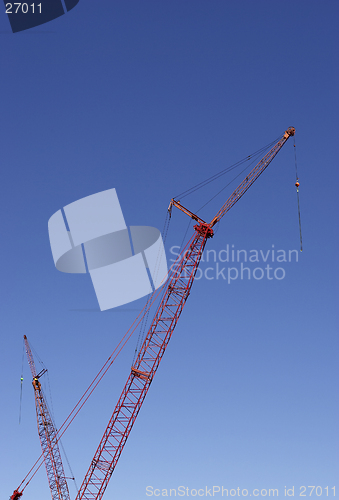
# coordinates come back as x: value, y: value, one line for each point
x: 50, y: 448
x: 144, y: 368
x: 252, y: 176
x: 48, y: 437
x: 149, y: 357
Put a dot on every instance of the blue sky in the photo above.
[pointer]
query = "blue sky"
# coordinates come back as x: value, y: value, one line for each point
x: 150, y: 98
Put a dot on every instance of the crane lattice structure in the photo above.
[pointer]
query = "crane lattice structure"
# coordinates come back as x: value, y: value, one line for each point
x: 48, y: 435
x: 152, y: 350
x: 157, y: 338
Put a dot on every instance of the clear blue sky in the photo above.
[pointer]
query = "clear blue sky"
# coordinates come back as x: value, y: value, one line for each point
x: 150, y: 98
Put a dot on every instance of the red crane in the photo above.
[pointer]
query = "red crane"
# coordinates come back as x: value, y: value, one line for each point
x: 157, y: 338
x: 146, y: 364
x: 48, y: 437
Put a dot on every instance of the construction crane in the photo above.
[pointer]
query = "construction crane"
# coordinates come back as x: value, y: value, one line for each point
x: 146, y: 363
x: 157, y: 338
x: 48, y: 437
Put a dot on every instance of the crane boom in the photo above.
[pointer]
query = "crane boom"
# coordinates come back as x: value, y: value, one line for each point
x: 47, y: 435
x: 143, y: 370
x: 156, y: 341
x: 253, y: 176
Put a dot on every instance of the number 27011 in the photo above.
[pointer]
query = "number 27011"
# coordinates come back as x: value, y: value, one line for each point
x: 14, y: 8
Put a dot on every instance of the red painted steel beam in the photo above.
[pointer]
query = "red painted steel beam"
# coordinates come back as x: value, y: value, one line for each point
x: 156, y: 341
x: 143, y: 370
x: 16, y: 495
x: 48, y: 437
x: 252, y: 176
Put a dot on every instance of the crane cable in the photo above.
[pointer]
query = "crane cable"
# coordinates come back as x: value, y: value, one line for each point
x: 70, y: 468
x: 56, y: 430
x: 297, y: 184
x: 216, y: 176
x: 253, y: 156
x: 144, y: 320
x: 229, y: 183
x: 84, y: 397
x: 224, y: 171
x: 50, y: 407
x: 95, y: 382
x: 141, y: 316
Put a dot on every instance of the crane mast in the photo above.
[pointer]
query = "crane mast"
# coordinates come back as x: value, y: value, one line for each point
x: 157, y: 338
x: 143, y: 371
x: 47, y: 435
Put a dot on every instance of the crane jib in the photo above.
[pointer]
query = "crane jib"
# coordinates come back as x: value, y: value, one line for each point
x: 48, y: 437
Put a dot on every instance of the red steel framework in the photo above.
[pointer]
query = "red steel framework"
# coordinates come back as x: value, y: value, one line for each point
x: 143, y: 370
x: 48, y: 436
x: 156, y: 340
x: 149, y: 357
